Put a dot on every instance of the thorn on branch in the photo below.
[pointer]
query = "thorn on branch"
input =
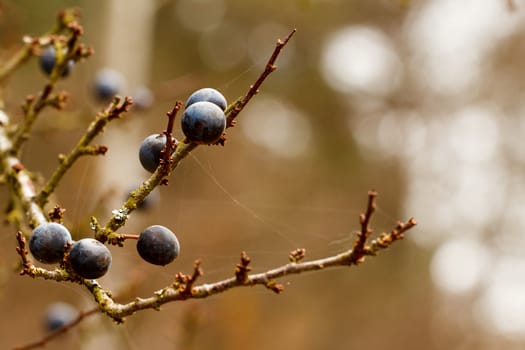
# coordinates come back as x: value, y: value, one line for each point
x: 29, y: 100
x: 297, y: 255
x: 116, y: 107
x: 56, y: 214
x: 360, y: 250
x: 197, y: 272
x: 386, y: 239
x: 75, y: 28
x: 58, y: 100
x: 23, y: 252
x: 243, y: 269
x: 275, y: 287
x: 67, y: 16
x: 185, y: 282
x: 166, y: 160
x: 95, y: 150
x: 222, y: 140
x: 254, y: 89
x: 66, y: 264
x: 364, y: 220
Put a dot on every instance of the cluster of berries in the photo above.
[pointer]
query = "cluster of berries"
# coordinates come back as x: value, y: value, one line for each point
x: 203, y: 122
x: 90, y: 258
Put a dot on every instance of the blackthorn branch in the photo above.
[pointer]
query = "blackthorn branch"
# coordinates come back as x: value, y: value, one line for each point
x: 87, y: 259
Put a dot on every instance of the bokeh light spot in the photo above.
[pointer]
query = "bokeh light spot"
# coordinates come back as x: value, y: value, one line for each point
x: 361, y: 59
x: 224, y: 47
x: 457, y: 266
x: 501, y: 306
x: 473, y: 135
x: 200, y: 15
x: 276, y: 126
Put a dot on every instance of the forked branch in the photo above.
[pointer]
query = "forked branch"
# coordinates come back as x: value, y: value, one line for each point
x: 184, y: 286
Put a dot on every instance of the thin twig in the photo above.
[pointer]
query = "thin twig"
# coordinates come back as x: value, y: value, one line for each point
x: 64, y: 18
x: 364, y: 220
x: 34, y: 106
x: 241, y: 278
x: 254, y: 89
x: 62, y: 330
x: 114, y: 111
x: 171, y: 144
x: 183, y: 148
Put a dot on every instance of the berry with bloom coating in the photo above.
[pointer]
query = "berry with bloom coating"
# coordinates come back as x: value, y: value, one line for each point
x: 108, y: 83
x: 203, y: 122
x: 209, y: 95
x: 149, y: 152
x: 59, y: 314
x: 48, y: 242
x: 48, y: 61
x: 89, y: 258
x: 158, y: 245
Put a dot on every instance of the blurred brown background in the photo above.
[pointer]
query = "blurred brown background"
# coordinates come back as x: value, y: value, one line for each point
x: 420, y: 100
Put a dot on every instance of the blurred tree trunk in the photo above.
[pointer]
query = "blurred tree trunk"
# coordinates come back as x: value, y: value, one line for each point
x: 123, y: 37
x: 122, y: 33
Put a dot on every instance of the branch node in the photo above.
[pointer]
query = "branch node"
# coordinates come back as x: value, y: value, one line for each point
x: 243, y: 269
x: 275, y: 287
x: 297, y: 255
x: 166, y: 161
x: 56, y: 214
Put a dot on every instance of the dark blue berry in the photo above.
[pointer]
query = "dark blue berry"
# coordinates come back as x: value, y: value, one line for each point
x: 203, y: 122
x: 89, y: 258
x: 59, y: 314
x: 209, y: 95
x: 48, y: 242
x: 48, y: 61
x: 108, y: 83
x: 150, y: 151
x: 158, y: 245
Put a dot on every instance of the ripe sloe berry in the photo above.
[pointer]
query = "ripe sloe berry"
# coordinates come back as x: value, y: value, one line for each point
x: 149, y: 152
x: 48, y: 242
x: 108, y: 83
x: 207, y: 94
x: 59, y: 314
x: 158, y: 245
x: 89, y: 258
x: 203, y: 122
x: 48, y: 61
